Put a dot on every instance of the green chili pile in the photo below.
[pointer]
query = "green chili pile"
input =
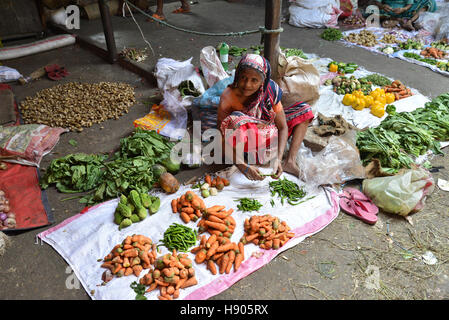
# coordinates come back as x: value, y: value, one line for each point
x: 287, y: 190
x: 247, y: 204
x: 179, y: 237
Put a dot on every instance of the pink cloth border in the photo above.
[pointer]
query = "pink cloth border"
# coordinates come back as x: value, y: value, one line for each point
x: 251, y: 264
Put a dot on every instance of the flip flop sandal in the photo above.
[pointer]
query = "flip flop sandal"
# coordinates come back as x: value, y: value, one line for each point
x: 350, y: 207
x: 181, y: 10
x: 360, y: 199
x: 156, y: 16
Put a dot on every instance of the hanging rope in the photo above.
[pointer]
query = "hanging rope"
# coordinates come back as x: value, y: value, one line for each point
x: 262, y: 30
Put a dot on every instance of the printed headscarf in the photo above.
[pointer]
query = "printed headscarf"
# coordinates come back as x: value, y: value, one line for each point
x: 269, y: 93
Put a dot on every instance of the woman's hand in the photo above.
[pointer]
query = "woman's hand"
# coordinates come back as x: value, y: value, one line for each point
x: 251, y: 172
x: 399, y: 10
x: 277, y: 169
x: 387, y: 8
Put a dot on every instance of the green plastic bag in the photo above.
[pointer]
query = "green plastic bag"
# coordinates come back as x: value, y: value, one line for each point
x: 401, y: 194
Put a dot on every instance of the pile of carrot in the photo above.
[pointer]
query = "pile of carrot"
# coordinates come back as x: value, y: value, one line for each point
x: 135, y: 253
x: 399, y: 90
x: 171, y: 273
x: 266, y: 231
x: 189, y: 206
x: 216, y: 182
x: 433, y: 52
x: 217, y: 220
x: 219, y: 254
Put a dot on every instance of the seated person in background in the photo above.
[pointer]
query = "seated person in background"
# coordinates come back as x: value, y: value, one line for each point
x: 403, y: 12
x: 252, y: 105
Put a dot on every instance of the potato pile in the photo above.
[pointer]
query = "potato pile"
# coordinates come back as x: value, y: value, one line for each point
x: 76, y: 105
x: 364, y: 38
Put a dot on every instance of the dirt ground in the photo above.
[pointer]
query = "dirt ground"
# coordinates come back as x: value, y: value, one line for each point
x: 348, y: 260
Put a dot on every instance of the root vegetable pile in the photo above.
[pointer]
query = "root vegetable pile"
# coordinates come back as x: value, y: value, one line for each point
x: 7, y: 217
x: 399, y: 90
x: 219, y: 254
x: 266, y: 231
x: 76, y: 105
x: 433, y: 52
x: 217, y: 220
x: 189, y: 206
x: 211, y: 186
x: 134, y: 254
x: 364, y: 38
x: 171, y: 273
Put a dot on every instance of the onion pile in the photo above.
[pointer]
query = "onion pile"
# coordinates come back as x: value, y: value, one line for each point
x: 7, y: 218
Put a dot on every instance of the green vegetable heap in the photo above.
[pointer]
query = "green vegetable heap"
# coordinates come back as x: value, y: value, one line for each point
x: 179, y: 237
x: 135, y: 208
x: 287, y: 190
x: 331, y: 34
x: 400, y: 136
x: 106, y: 178
x: 247, y: 204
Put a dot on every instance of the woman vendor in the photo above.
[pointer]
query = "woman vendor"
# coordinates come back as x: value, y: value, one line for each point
x: 404, y: 12
x: 251, y: 105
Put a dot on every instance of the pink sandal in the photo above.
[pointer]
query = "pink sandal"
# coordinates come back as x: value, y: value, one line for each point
x: 357, y: 204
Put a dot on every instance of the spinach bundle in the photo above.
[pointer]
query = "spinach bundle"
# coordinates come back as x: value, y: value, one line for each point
x: 75, y: 173
x: 122, y: 176
x: 405, y: 134
x: 146, y: 143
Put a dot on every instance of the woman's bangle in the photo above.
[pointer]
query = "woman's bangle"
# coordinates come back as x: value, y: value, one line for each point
x: 246, y: 170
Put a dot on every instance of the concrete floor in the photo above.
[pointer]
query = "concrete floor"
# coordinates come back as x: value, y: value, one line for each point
x: 328, y: 265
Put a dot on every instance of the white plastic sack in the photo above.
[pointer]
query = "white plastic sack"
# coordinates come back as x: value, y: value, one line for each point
x: 338, y: 162
x: 400, y: 194
x: 9, y: 74
x: 314, y: 14
x: 211, y: 65
x: 169, y: 74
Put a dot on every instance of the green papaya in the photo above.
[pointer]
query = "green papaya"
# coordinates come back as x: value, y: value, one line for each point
x: 158, y: 170
x: 156, y: 203
x: 171, y: 166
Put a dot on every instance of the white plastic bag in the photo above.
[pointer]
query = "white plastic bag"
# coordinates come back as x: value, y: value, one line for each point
x: 338, y: 162
x: 314, y: 14
x: 169, y: 74
x: 400, y: 194
x: 9, y: 74
x: 211, y: 65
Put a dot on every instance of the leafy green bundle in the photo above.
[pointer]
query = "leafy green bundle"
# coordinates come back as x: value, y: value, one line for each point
x: 403, y: 135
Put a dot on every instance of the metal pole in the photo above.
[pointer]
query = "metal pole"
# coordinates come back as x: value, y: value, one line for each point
x: 271, y: 40
x: 107, y: 29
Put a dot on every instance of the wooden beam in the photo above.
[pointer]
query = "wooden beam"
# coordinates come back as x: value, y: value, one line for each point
x: 271, y: 40
x: 108, y: 31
